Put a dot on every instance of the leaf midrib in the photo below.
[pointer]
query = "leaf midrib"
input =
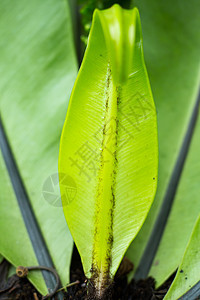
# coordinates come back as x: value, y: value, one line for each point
x: 105, y: 197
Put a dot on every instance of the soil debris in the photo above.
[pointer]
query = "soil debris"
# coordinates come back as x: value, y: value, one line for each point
x: 120, y: 290
x: 21, y: 289
x: 16, y: 288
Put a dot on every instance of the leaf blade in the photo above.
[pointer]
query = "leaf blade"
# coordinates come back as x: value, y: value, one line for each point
x: 184, y: 213
x: 168, y: 42
x: 97, y: 100
x: 188, y: 271
x: 38, y: 67
x: 21, y: 243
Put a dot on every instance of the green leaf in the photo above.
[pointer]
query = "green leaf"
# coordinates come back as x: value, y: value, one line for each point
x: 171, y: 49
x: 183, y: 216
x: 16, y: 243
x: 38, y: 68
x: 88, y: 7
x: 108, y: 146
x: 188, y: 272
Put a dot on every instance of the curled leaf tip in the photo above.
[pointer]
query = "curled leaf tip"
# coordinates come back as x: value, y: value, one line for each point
x: 119, y: 27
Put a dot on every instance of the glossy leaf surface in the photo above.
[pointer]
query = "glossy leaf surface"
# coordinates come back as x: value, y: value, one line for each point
x: 188, y: 272
x: 38, y: 68
x: 171, y: 49
x: 108, y: 146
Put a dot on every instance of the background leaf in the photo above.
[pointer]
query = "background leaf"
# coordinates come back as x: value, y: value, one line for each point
x: 38, y: 68
x: 188, y: 272
x: 16, y: 244
x: 171, y: 48
x: 109, y: 143
x: 182, y: 218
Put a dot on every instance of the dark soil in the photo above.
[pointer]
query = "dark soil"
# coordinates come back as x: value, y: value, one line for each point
x: 121, y: 290
x: 22, y: 289
x: 15, y: 287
